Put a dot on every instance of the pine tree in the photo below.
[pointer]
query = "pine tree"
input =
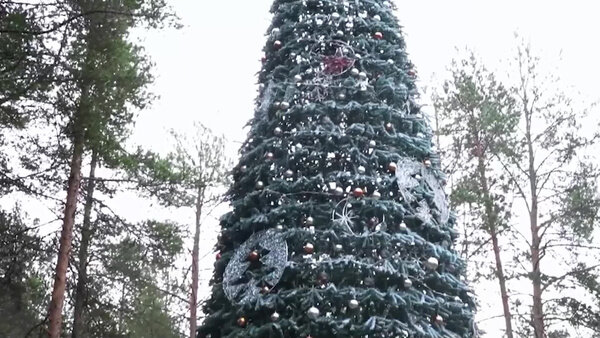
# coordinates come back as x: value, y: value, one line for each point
x: 340, y: 225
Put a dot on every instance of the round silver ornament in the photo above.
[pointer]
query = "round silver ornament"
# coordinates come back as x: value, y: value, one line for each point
x: 362, y: 75
x: 361, y: 170
x: 338, y: 191
x: 376, y: 17
x: 408, y: 283
x: 313, y: 313
x: 277, y: 131
x: 372, y: 143
x: 284, y: 105
x: 432, y: 263
x: 338, y: 248
x: 297, y: 78
x: 310, y: 221
x: 376, y: 195
x: 289, y: 173
x: 275, y: 316
x: 355, y: 72
x: 260, y: 185
x: 335, y: 15
x: 353, y: 304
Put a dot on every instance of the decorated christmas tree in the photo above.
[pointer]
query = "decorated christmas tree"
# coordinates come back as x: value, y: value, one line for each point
x: 340, y: 225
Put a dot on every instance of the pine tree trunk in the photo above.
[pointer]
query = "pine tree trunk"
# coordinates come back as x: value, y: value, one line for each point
x: 66, y: 237
x: 537, y: 314
x: 492, y: 222
x: 194, y: 293
x: 86, y: 238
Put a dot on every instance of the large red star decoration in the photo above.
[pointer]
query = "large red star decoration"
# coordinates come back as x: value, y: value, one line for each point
x: 337, y: 64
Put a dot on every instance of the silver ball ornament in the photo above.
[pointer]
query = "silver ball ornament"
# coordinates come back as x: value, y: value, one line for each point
x: 335, y: 15
x: 260, y: 185
x: 277, y: 131
x: 284, y: 105
x: 338, y: 248
x: 362, y: 75
x: 376, y: 195
x: 338, y: 191
x: 275, y: 316
x: 353, y: 304
x: 310, y: 221
x: 313, y: 313
x: 297, y: 78
x: 432, y: 263
x: 289, y: 173
x: 355, y: 72
x: 377, y: 17
x: 275, y: 31
x: 361, y: 170
x: 408, y: 283
x: 372, y: 143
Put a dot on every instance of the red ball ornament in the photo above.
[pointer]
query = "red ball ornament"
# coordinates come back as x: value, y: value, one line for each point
x: 219, y: 255
x: 263, y: 59
x: 264, y: 290
x: 358, y: 192
x: 277, y: 45
x: 253, y: 256
x: 378, y: 35
x: 242, y: 322
x: 389, y: 126
x: 412, y: 73
x: 392, y: 167
x: 309, y: 248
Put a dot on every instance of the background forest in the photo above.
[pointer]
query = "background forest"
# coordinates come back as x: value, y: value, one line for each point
x: 132, y: 112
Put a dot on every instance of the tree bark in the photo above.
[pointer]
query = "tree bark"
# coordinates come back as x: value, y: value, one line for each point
x: 66, y: 237
x: 537, y: 313
x: 492, y: 228
x: 86, y: 238
x: 195, y: 254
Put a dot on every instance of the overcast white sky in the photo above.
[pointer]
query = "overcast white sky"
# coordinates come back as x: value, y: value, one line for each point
x: 206, y: 71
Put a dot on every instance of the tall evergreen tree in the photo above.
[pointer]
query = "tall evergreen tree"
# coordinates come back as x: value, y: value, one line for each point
x: 340, y: 225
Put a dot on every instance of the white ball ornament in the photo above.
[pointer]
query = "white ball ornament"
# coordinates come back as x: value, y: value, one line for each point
x: 297, y: 78
x: 377, y: 17
x: 361, y: 170
x: 335, y: 15
x: 432, y: 263
x: 376, y: 195
x: 313, y: 313
x: 275, y: 31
